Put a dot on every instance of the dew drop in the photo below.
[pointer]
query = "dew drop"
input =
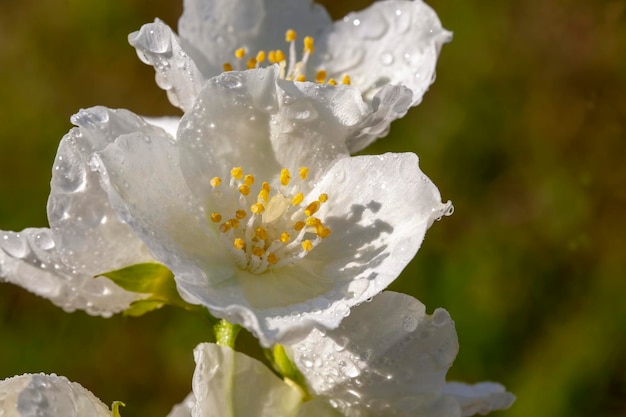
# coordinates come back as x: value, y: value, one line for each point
x: 230, y: 81
x: 14, y: 245
x: 386, y: 58
x: 306, y: 361
x: 44, y: 241
x: 349, y: 369
x: 409, y: 323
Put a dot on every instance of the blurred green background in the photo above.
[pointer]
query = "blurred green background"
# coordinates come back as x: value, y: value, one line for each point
x: 524, y: 131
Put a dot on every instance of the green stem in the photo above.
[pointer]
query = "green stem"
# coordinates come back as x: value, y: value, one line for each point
x: 226, y: 333
x: 287, y: 369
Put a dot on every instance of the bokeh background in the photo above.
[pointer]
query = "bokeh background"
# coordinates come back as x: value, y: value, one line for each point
x: 524, y: 130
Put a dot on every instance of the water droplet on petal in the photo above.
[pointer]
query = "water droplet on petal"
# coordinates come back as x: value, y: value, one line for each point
x: 12, y: 244
x: 230, y: 81
x: 386, y: 58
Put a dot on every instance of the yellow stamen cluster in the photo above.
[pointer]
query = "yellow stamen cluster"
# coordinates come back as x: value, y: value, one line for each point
x: 273, y: 227
x: 292, y: 68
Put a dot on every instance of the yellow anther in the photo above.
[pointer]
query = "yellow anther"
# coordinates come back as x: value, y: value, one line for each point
x: 290, y: 35
x: 215, y: 181
x: 297, y: 199
x: 240, y: 214
x: 257, y: 251
x: 298, y: 226
x: 301, y: 78
x: 240, y: 53
x: 234, y: 223
x: 280, y: 56
x: 332, y: 81
x: 313, y: 221
x: 309, y: 44
x: 307, y: 245
x: 323, y: 198
x: 248, y: 180
x: 244, y: 189
x: 322, y: 231
x: 257, y: 208
x: 284, y: 237
x: 239, y: 243
x: 271, y: 57
x: 251, y: 64
x: 260, y: 56
x: 266, y: 186
x: 346, y: 79
x: 272, y: 258
x: 227, y: 67
x: 304, y: 172
x: 237, y: 173
x: 216, y: 217
x: 264, y: 195
x: 312, y: 208
x: 320, y: 77
x: 285, y: 176
x: 225, y: 227
x: 261, y: 233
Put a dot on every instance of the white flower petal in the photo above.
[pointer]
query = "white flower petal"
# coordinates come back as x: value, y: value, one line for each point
x: 87, y: 230
x: 185, y: 408
x: 176, y: 72
x: 230, y: 384
x: 145, y: 185
x: 374, y: 232
x: 86, y: 237
x: 48, y: 395
x: 481, y: 398
x: 393, y: 42
x: 167, y: 123
x: 388, y: 356
x: 390, y: 103
x: 211, y: 31
x: 31, y: 260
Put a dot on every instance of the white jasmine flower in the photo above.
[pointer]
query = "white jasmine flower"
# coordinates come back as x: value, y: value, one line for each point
x: 390, y: 359
x: 48, y: 395
x: 387, y: 52
x: 260, y: 212
x: 86, y: 236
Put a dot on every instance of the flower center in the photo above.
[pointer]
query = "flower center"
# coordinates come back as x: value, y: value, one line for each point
x: 270, y: 227
x: 290, y: 68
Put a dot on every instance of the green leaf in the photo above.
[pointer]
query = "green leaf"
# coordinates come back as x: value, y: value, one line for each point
x: 116, y: 408
x: 285, y: 367
x: 154, y: 279
x: 147, y: 278
x: 141, y: 307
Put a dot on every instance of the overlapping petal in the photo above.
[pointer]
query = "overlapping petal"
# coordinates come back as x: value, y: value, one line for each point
x: 230, y: 384
x: 86, y: 235
x: 390, y: 358
x: 212, y: 30
x: 48, y: 395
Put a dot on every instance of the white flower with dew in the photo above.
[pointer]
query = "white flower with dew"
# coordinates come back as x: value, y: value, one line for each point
x: 390, y: 359
x: 48, y: 395
x: 86, y: 237
x: 260, y: 212
x: 387, y: 52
